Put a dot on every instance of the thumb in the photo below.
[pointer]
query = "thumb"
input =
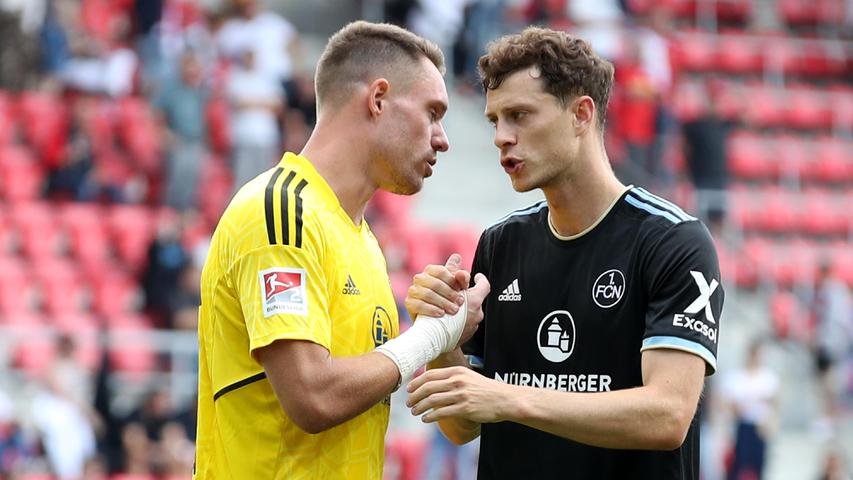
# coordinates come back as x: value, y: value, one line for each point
x: 480, y: 289
x: 454, y: 262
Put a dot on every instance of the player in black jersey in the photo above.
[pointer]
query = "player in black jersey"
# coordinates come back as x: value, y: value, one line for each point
x: 605, y: 308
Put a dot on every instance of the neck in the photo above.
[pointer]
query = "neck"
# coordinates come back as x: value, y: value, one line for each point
x: 579, y: 200
x: 338, y: 153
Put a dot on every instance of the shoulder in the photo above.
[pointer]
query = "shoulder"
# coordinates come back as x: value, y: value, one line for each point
x: 274, y: 208
x: 653, y: 211
x: 520, y: 218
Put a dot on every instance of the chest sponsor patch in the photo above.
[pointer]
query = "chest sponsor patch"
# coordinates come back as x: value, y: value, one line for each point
x: 284, y: 291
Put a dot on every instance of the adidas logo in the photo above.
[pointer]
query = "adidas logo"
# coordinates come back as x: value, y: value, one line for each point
x: 511, y: 293
x: 350, y: 288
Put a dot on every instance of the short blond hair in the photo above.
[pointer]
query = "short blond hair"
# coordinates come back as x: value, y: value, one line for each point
x: 363, y: 51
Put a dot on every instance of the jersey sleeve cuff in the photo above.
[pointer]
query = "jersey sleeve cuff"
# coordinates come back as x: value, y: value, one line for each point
x: 676, y: 343
x: 268, y: 339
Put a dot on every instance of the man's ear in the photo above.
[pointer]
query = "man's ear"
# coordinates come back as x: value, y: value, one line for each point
x: 377, y: 92
x: 584, y: 112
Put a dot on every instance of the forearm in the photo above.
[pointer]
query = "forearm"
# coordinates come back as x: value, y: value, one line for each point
x: 320, y: 393
x: 644, y: 418
x: 458, y: 430
x: 353, y: 385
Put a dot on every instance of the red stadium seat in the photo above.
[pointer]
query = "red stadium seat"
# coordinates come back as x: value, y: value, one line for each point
x: 824, y: 213
x: 21, y: 175
x: 740, y: 54
x: 39, y: 235
x: 87, y: 234
x: 115, y: 294
x: 218, y: 124
x: 841, y: 254
x: 696, y: 51
x: 748, y: 157
x: 461, y: 239
x: 216, y: 188
x: 787, y: 315
x: 842, y: 110
x: 746, y: 209
x: 822, y: 58
x: 766, y: 107
x: 689, y: 100
x: 796, y: 12
x: 834, y: 163
x: 423, y: 247
x: 791, y: 156
x: 808, y: 109
x: 132, y: 229
x: 780, y: 210
x: 35, y: 352
x: 44, y: 119
x: 392, y: 207
x: 60, y: 286
x: 131, y: 352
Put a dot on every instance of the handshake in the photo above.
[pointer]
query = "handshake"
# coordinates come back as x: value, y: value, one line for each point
x: 446, y: 312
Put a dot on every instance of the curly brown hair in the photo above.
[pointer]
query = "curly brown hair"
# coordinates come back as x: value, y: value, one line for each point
x: 568, y: 65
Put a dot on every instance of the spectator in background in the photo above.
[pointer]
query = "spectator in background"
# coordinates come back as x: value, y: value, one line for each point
x: 705, y: 138
x: 167, y: 259
x: 20, y: 22
x: 70, y: 178
x: 15, y: 451
x: 832, y: 342
x: 182, y: 102
x: 752, y: 392
x: 136, y: 450
x: 397, y: 11
x: 66, y: 431
x: 835, y: 466
x: 637, y: 113
x: 103, y: 67
x: 255, y: 101
x: 600, y: 23
x: 274, y: 40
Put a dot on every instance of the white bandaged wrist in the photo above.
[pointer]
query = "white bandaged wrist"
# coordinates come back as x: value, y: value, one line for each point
x: 425, y: 340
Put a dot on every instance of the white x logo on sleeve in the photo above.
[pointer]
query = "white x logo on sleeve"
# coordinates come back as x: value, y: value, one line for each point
x: 704, y: 298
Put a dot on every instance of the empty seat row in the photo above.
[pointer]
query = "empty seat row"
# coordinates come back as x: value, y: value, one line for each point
x: 768, y: 157
x: 763, y: 260
x: 766, y: 106
x: 812, y: 211
x: 740, y: 53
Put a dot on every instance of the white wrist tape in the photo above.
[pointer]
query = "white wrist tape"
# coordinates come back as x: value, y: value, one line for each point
x: 425, y: 340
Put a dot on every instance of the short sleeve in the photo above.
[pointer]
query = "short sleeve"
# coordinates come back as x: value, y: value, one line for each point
x: 684, y: 292
x: 283, y: 295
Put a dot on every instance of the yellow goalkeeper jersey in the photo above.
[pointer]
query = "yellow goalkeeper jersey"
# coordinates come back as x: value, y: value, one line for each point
x: 287, y: 263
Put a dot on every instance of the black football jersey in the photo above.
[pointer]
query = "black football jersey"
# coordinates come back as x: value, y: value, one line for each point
x: 576, y: 314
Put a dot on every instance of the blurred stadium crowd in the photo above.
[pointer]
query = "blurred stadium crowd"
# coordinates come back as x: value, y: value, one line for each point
x: 125, y: 126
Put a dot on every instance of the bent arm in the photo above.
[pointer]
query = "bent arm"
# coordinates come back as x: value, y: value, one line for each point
x: 655, y: 416
x: 318, y: 391
x: 458, y: 430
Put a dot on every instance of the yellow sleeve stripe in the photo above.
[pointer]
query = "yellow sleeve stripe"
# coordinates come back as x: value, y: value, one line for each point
x: 269, y: 208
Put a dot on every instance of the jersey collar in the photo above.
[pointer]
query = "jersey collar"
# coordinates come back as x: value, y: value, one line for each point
x: 594, y: 224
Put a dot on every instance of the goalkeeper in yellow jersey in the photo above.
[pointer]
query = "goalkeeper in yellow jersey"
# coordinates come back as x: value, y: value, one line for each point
x: 299, y: 339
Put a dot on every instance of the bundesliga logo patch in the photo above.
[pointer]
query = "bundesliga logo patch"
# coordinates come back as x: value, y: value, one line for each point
x: 283, y: 291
